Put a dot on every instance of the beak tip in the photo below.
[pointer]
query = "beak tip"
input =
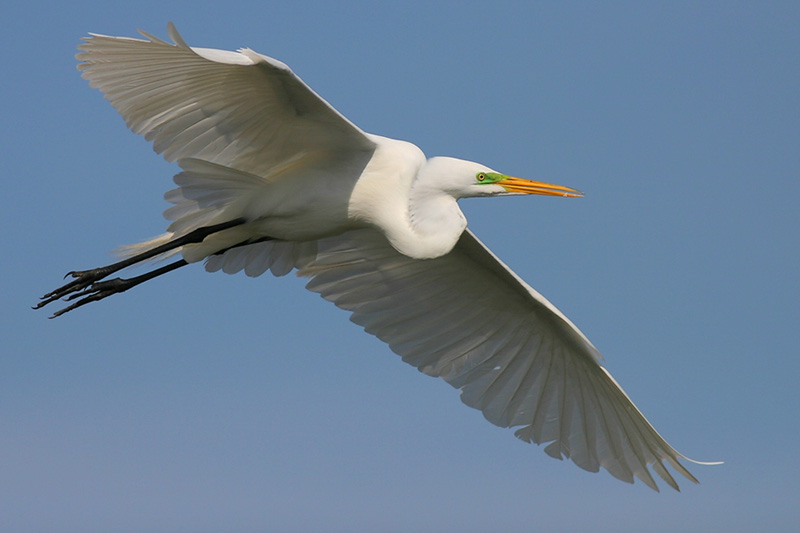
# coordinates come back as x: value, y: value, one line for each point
x: 519, y: 185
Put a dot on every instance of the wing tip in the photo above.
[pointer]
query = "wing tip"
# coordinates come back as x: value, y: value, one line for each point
x: 172, y: 31
x: 554, y: 450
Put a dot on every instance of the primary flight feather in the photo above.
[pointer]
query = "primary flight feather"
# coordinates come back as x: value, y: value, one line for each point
x: 274, y: 178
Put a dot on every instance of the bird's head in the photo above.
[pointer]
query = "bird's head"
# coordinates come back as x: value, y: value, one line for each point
x: 496, y: 184
x: 465, y: 179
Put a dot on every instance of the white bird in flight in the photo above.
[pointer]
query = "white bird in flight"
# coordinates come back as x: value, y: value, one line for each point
x: 274, y: 178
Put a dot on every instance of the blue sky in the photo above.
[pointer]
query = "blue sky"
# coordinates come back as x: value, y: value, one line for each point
x: 205, y: 401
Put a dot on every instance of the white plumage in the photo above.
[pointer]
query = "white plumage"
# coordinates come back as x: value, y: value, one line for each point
x: 286, y: 182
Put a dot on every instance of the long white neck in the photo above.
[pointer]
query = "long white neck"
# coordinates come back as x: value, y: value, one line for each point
x: 435, y: 223
x: 410, y: 198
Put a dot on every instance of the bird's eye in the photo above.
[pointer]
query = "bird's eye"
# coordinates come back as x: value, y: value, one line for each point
x: 481, y: 176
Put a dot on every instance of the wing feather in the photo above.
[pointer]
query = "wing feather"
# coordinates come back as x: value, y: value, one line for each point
x: 237, y: 109
x: 469, y: 319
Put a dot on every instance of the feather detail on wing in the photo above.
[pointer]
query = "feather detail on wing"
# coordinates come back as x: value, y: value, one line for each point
x: 279, y: 257
x: 238, y: 109
x: 467, y: 318
x: 208, y: 194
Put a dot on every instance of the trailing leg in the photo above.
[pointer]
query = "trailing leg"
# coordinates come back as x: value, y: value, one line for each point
x: 85, y: 283
x: 102, y: 289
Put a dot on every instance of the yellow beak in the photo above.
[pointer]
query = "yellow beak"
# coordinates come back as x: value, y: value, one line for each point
x: 524, y: 186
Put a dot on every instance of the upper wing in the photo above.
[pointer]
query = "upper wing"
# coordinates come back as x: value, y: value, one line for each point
x: 238, y: 109
x: 469, y: 319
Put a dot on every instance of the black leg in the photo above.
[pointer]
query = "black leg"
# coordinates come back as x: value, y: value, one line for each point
x: 86, y: 286
x: 102, y: 289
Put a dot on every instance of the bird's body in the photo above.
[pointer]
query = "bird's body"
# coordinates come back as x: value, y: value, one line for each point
x: 274, y: 178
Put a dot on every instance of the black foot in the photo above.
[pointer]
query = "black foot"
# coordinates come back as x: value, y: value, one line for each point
x: 83, y: 279
x: 95, y: 291
x: 86, y: 288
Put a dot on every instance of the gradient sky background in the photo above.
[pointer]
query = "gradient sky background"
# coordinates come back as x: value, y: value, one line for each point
x: 204, y: 402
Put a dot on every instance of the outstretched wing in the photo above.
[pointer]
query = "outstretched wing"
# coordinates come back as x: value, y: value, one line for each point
x: 238, y: 109
x: 467, y: 318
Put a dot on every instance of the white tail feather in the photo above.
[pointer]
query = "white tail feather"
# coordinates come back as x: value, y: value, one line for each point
x: 129, y: 250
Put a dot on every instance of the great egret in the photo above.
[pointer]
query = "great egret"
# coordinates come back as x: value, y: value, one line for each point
x: 274, y: 178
